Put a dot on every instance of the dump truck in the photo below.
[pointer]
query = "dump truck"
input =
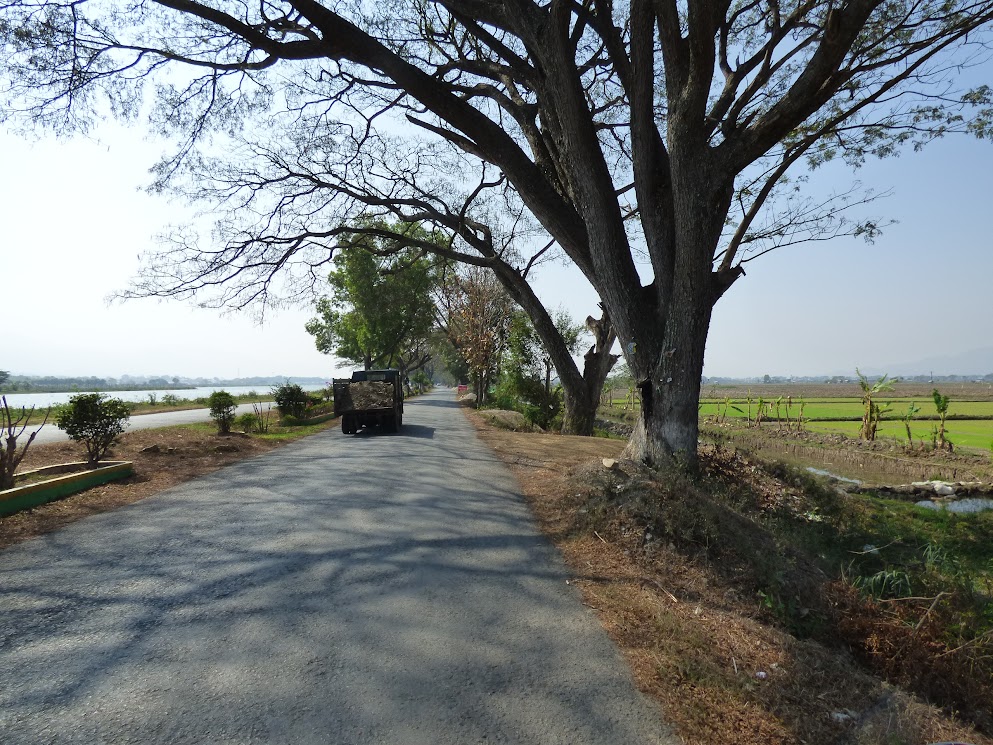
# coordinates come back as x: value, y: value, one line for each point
x: 371, y: 398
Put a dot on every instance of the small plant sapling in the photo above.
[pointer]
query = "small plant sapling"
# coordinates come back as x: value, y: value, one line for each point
x: 262, y: 418
x: 94, y: 420
x: 912, y: 410
x: 222, y: 407
x: 941, y: 404
x: 13, y: 428
x: 153, y: 399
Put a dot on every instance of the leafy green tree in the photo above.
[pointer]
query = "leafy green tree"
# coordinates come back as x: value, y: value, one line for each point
x: 606, y: 133
x: 527, y: 368
x: 95, y: 420
x: 4, y: 377
x: 447, y: 365
x: 380, y: 312
x: 222, y: 410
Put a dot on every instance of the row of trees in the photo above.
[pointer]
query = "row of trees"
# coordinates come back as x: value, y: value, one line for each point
x: 390, y: 305
x: 656, y: 146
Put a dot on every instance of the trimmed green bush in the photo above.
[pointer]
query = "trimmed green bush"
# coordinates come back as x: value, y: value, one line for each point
x: 222, y: 405
x: 94, y: 420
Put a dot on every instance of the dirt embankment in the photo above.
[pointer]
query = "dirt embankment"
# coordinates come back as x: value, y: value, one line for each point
x: 673, y: 576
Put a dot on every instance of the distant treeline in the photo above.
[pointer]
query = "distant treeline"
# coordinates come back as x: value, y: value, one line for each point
x: 56, y: 384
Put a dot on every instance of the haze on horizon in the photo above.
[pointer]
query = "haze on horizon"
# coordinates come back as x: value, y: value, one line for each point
x: 920, y: 293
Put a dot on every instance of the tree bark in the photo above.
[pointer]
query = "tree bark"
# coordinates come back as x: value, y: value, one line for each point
x: 580, y: 415
x: 668, y: 428
x: 582, y: 398
x: 667, y: 356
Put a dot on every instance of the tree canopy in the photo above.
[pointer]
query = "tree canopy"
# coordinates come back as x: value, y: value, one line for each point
x: 652, y: 143
x: 380, y: 312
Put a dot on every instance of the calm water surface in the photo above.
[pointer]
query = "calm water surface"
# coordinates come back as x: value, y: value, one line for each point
x: 43, y: 400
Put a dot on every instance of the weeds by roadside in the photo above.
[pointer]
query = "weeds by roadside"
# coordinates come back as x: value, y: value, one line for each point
x: 725, y: 594
x: 909, y: 591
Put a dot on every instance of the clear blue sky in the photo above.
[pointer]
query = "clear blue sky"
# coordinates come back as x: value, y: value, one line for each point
x: 75, y: 221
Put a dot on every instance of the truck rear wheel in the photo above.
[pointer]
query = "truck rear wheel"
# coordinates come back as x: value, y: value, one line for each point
x: 347, y: 426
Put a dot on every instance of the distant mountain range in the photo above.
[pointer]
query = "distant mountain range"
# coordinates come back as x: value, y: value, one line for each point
x: 975, y: 362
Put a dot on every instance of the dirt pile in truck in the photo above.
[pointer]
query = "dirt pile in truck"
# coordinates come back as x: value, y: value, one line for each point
x: 367, y: 394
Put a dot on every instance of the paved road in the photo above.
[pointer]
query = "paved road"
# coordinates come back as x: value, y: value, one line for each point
x: 364, y: 589
x: 51, y: 433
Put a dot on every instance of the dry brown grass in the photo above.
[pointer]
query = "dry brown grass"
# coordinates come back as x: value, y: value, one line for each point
x: 694, y: 633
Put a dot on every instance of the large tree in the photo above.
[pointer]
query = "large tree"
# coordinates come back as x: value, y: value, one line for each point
x: 380, y: 311
x: 656, y: 129
x: 475, y: 314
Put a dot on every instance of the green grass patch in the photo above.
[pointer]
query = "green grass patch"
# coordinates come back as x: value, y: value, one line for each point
x: 847, y: 408
x: 276, y: 432
x: 968, y: 433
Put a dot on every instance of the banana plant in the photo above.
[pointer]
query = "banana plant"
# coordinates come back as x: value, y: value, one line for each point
x: 912, y: 410
x: 872, y: 411
x: 941, y: 404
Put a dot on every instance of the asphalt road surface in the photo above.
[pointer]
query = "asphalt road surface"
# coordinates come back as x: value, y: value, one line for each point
x: 343, y: 589
x: 51, y: 433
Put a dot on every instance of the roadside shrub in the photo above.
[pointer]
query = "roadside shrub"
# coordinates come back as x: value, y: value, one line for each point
x: 527, y: 395
x: 94, y: 420
x: 222, y: 407
x: 291, y: 400
x: 247, y: 422
x: 170, y: 399
x: 320, y: 410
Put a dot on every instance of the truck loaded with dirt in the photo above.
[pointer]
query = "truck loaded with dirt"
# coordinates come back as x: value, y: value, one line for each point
x: 371, y: 398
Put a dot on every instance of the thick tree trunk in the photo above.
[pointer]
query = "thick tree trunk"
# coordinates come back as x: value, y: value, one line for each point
x: 668, y: 428
x: 582, y: 396
x: 581, y: 390
x: 668, y: 360
x: 579, y: 416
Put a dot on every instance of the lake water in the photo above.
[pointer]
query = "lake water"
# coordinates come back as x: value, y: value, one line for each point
x: 44, y: 400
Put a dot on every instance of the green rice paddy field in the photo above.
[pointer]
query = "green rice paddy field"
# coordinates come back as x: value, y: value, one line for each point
x: 969, y: 423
